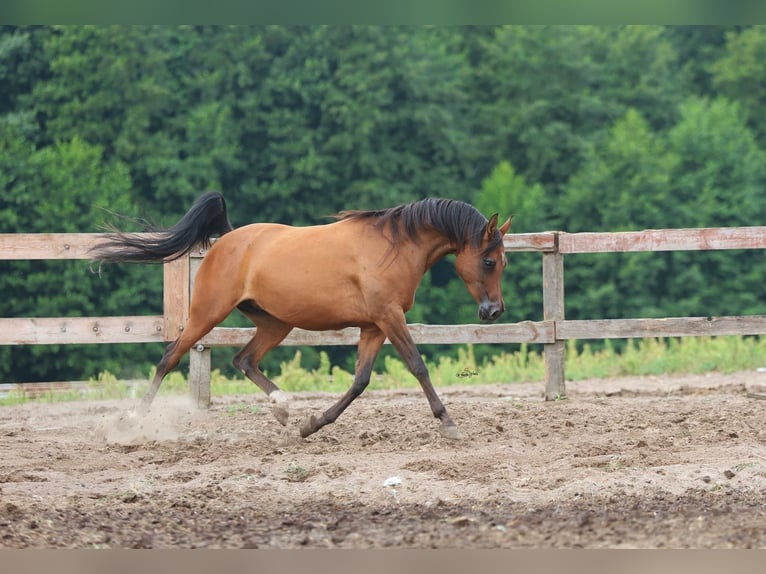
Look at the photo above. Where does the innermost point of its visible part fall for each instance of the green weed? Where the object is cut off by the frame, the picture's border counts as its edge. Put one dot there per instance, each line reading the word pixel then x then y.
pixel 651 356
pixel 239 408
pixel 297 473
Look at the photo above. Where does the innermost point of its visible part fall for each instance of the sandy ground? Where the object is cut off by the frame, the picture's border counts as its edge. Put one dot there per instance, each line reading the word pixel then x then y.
pixel 673 462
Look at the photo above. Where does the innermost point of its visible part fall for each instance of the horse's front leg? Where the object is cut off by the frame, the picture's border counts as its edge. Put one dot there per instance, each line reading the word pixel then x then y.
pixel 269 333
pixel 370 341
pixel 395 328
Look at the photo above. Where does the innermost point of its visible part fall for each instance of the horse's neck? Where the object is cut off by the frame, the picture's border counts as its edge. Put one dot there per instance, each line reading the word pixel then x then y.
pixel 433 247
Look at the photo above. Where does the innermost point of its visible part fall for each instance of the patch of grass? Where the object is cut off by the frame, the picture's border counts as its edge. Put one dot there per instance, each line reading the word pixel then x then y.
pixel 651 356
pixel 293 377
pixel 222 386
pixel 240 408
pixel 107 386
pixel 526 364
pixel 614 465
pixel 655 356
pixel 297 473
pixel 14 397
pixel 742 466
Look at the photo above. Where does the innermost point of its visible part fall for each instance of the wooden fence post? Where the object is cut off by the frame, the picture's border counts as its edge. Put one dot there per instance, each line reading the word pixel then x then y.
pixel 553 310
pixel 175 298
pixel 199 356
pixel 199 376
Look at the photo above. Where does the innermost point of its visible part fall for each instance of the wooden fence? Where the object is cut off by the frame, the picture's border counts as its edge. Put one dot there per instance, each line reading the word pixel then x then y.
pixel 551 332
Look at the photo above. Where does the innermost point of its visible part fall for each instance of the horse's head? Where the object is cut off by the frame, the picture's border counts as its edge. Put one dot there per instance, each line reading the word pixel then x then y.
pixel 481 265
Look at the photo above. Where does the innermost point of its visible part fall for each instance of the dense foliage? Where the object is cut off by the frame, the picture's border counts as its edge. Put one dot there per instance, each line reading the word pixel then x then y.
pixel 573 128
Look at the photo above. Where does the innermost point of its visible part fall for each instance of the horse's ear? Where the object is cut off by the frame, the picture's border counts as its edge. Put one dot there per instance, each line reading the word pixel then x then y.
pixel 491 226
pixel 505 227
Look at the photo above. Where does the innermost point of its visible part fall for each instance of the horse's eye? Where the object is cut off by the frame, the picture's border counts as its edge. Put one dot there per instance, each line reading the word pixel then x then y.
pixel 489 263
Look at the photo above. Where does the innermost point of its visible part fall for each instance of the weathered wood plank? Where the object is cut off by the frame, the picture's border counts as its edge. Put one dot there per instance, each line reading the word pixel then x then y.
pixel 34 390
pixel 523 332
pixel 76 245
pixel 175 296
pixel 66 331
pixel 664 240
pixel 199 376
pixel 545 241
pixel 198 252
pixel 553 286
pixel 668 327
pixel 553 311
pixel 47 245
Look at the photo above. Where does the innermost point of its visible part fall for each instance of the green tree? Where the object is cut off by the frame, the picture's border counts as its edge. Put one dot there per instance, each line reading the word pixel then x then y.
pixel 718 182
pixel 22 64
pixel 292 123
pixel 78 187
pixel 706 171
pixel 509 193
pixel 357 117
pixel 125 89
pixel 698 47
pixel 623 185
pixel 567 127
pixel 624 181
pixel 545 94
pixel 737 74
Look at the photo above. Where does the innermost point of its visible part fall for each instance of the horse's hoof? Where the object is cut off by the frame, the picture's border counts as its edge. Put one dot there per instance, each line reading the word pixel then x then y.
pixel 280 413
pixel 451 432
pixel 126 421
pixel 289 438
pixel 308 426
pixel 280 408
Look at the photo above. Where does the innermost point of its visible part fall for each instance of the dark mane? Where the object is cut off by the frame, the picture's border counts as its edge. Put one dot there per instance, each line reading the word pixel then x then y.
pixel 456 220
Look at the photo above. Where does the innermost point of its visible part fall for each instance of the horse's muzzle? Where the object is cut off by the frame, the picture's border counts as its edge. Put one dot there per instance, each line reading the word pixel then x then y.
pixel 490 311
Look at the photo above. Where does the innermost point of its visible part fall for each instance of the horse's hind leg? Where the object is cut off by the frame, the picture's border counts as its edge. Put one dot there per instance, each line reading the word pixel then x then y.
pixel 370 341
pixel 193 332
pixel 169 361
pixel 269 333
pixel 203 316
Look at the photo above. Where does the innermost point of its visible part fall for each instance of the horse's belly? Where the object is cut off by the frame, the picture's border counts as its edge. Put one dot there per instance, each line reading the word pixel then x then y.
pixel 312 321
pixel 317 310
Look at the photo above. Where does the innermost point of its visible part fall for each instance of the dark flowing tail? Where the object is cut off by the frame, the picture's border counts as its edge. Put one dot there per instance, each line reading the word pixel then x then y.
pixel 207 217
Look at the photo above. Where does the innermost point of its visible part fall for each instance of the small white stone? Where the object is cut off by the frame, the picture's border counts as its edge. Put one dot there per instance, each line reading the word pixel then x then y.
pixel 392 481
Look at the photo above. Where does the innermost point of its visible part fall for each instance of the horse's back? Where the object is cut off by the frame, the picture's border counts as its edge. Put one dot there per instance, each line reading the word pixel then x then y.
pixel 313 277
pixel 270 243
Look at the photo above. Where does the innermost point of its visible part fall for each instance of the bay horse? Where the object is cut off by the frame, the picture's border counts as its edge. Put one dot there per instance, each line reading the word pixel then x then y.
pixel 361 270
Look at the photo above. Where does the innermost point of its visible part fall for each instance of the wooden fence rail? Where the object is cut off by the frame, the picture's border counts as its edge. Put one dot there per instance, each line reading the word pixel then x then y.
pixel 551 332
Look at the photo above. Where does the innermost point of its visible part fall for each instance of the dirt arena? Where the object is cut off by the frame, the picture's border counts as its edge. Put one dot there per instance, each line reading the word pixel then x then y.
pixel 672 462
